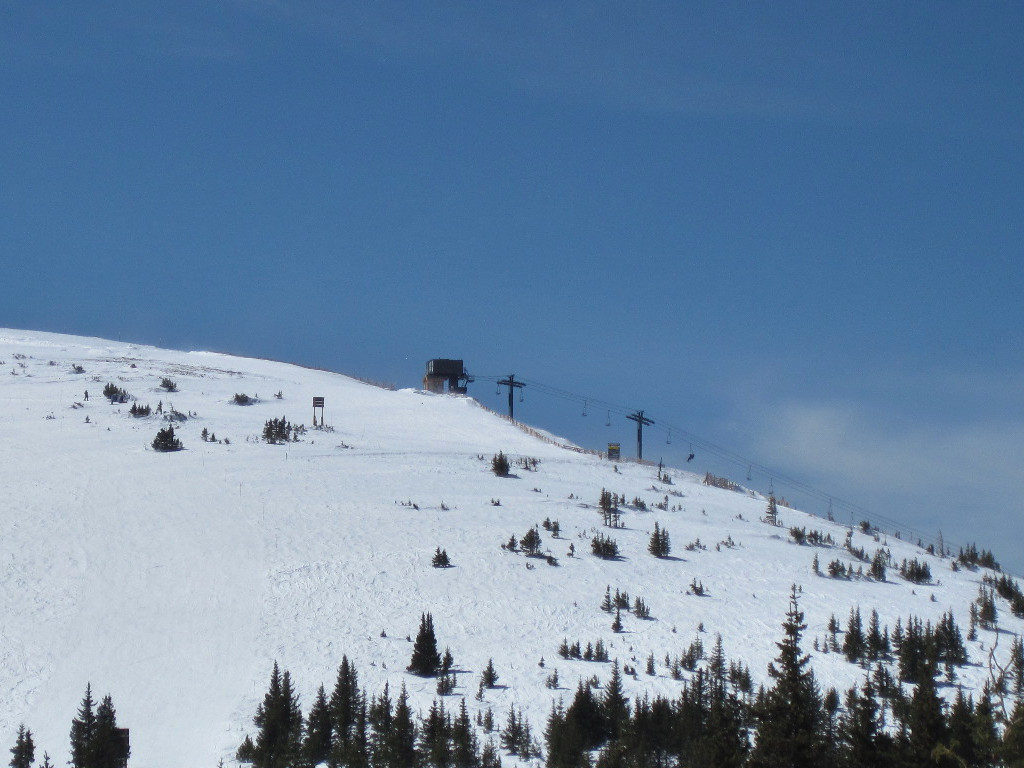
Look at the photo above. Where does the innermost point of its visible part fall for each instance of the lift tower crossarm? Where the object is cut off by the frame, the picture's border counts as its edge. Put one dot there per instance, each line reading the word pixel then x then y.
pixel 640 420
pixel 512 385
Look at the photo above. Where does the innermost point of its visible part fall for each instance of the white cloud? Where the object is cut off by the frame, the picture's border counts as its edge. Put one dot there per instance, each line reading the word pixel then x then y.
pixel 957 473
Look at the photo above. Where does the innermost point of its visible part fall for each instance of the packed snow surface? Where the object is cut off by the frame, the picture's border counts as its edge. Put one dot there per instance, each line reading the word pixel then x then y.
pixel 173 581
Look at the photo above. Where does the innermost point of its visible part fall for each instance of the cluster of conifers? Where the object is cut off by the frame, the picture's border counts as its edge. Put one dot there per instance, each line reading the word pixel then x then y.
pixel 715 722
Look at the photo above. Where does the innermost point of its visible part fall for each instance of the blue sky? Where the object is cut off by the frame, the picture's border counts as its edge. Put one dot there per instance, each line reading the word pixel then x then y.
pixel 792 230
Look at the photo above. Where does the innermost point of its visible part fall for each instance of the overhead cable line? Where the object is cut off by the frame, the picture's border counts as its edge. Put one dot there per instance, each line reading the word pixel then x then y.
pixel 706 446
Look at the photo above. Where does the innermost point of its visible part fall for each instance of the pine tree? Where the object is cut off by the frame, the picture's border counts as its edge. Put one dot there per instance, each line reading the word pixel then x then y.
pixel 440 559
pixel 926 722
pixel 854 643
pixel 659 544
pixel 489 757
pixel 617 624
pixel 499 464
pixel 489 677
pixel 654 545
pixel 615 705
pixel 316 746
pixel 985 736
pixel 402 737
pixel 772 512
pixel 1017 665
pixel 1012 748
pixel 987 614
pixel 531 542
pixel 830 708
pixel 166 441
pixel 83 731
pixel 279 719
pixel 877 642
pixel 789 733
pixel 962 729
pixel 346 706
pixel 425 660
pixel 864 742
pixel 464 741
pixel 585 719
pixel 434 744
pixel 106 746
pixel 379 719
pixel 23 753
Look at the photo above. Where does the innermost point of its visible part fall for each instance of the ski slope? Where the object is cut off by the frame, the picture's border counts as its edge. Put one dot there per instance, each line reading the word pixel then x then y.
pixel 173 581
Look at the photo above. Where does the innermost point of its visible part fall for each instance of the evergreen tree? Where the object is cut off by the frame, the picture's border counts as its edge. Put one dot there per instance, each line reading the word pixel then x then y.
pixel 83 731
pixel 166 441
pixel 316 747
pixel 877 640
pixel 279 719
pixel 962 729
pixel 772 512
pixel 659 543
pixel 106 745
pixel 464 741
pixel 585 719
pixel 531 542
pixel 489 677
pixel 615 705
pixel 1017 665
pixel 426 661
pixel 985 737
pixel 23 753
pixel 987 614
pixel 95 740
pixel 1012 748
pixel 789 720
pixel 434 737
pixel 346 707
pixel 379 720
pixel 724 742
pixel 854 643
pixel 864 742
pixel 357 753
pixel 402 737
pixel 440 559
pixel 512 734
pixel 617 624
pixel 925 721
pixel 499 464
pixel 830 709
pixel 564 751
pixel 489 757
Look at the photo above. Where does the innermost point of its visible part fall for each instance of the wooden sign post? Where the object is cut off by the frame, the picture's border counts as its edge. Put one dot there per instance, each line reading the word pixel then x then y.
pixel 318 402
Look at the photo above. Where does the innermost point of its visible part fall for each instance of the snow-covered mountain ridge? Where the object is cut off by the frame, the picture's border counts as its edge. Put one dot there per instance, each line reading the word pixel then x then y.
pixel 174 580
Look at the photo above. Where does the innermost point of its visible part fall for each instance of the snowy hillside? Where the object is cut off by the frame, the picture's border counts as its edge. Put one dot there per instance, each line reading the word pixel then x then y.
pixel 173 581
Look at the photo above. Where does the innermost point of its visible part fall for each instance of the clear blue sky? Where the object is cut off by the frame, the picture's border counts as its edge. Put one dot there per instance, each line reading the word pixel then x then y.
pixel 792 229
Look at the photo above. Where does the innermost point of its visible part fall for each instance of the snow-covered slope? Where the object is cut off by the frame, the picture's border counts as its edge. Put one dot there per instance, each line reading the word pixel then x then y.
pixel 174 580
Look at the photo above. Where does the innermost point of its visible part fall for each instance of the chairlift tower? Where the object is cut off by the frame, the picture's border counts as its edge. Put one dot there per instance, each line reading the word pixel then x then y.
pixel 641 421
pixel 512 385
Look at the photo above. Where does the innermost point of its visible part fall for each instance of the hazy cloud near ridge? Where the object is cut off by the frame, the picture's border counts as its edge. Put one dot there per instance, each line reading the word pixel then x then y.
pixel 961 474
